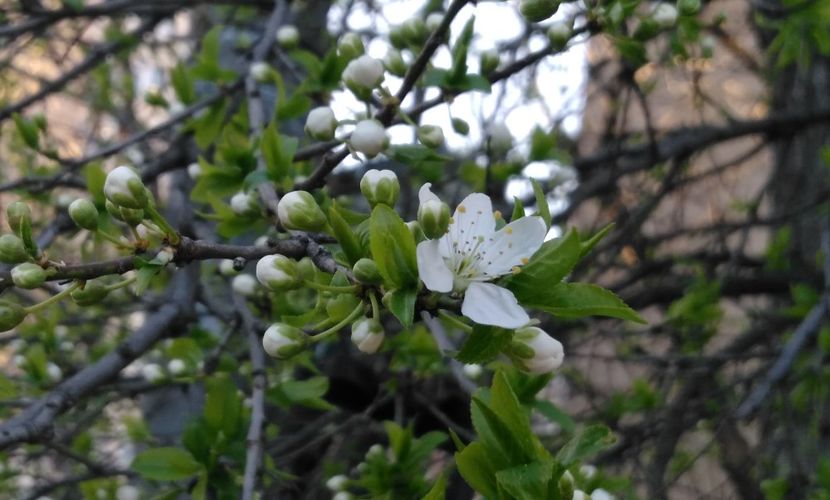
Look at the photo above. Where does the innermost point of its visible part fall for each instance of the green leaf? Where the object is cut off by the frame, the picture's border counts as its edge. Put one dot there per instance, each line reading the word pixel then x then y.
pixel 207 127
pixel 496 436
pixel 393 248
pixel 420 158
pixel 95 178
pixel 345 235
pixel 293 107
pixel 476 468
pixel 518 209
pixel 504 403
pixel 527 481
pixel 166 464
pixel 438 490
pixel 577 300
pixel 223 407
pixel 590 243
pixel 145 271
pixel 402 304
pixel 541 202
pixel 8 389
pixel 483 344
pixel 459 54
pixel 28 130
pixel 183 84
pixel 277 151
pixel 554 414
pixel 547 267
pixel 585 444
pixel 307 393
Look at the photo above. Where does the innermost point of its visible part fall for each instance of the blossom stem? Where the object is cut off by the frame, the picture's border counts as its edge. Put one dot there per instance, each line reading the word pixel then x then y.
pixel 54 298
pixel 375 309
pixel 155 216
pixel 345 321
pixel 405 117
pixel 455 321
pixel 111 238
pixel 331 288
pixel 121 284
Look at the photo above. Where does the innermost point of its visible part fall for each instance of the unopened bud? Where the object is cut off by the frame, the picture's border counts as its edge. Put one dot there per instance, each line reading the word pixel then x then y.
pixel 152 373
pixel 489 61
pixel 91 294
pixel 278 272
pixel 11 315
pixel 538 10
pixel 434 218
pixel 12 250
pixel 28 275
pixel 394 63
pixel 415 30
pixel 124 188
pixel 460 126
pixel 321 123
pixel 434 20
pixel 499 137
pixel 131 216
pixel 431 136
pixel 535 351
pixel 283 341
pixel 366 271
pixel 664 14
pixel 367 335
pixel 380 186
pixel 362 75
pixel 397 37
pixel 337 483
pixel 559 33
pixel 415 230
pixel 288 36
pixel 227 268
pixel 601 494
pixel 244 284
pixel 260 71
pixel 18 215
pixel 243 203
pixel 350 46
pixel 194 170
pixel 473 371
pixel 369 137
pixel 298 210
pixel 688 7
pixel 84 214
pixel 176 366
pixel 54 372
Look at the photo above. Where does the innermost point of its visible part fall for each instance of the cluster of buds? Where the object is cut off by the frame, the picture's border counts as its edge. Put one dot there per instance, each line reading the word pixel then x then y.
pixel 350 46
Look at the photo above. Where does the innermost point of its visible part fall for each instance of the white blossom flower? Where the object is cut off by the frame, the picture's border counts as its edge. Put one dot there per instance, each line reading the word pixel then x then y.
pixel 472 253
pixel 367 335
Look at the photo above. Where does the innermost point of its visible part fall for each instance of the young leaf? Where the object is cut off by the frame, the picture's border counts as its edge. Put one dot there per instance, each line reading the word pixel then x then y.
pixel 223 408
pixel 527 481
pixel 542 207
pixel 307 393
pixel 393 248
pixel 483 344
pixel 548 266
pixel 438 490
pixel 554 414
pixel 496 436
pixel 27 130
pixel 518 209
pixel 577 300
pixel 505 404
pixel 402 304
pixel 476 468
pixel 183 84
pixel 166 464
pixel 590 243
pixel 345 235
pixel 589 441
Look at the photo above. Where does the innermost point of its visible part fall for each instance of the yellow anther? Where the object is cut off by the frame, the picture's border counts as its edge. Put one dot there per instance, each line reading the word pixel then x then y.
pixel 508 230
pixel 497 214
pixel 525 260
pixel 516 269
pixel 462 209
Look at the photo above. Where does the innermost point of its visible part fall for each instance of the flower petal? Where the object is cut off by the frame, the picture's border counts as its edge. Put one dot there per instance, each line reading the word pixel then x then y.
pixel 431 268
pixel 472 223
pixel 511 246
pixel 425 194
pixel 488 304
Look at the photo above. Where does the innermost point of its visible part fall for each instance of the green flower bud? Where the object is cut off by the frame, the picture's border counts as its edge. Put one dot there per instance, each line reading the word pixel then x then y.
pixel 538 10
pixel 278 272
pixel 688 7
pixel 489 61
pixel 415 31
pixel 416 231
pixel 11 315
pixel 559 34
pixel 124 188
pixel 91 294
pixel 131 216
pixel 12 250
pixel 646 30
pixel 367 335
pixel 28 275
pixel 366 271
pixel 307 269
pixel 339 307
pixel 380 186
pixel 394 63
pixel 566 485
pixel 434 218
pixel 298 210
pixel 534 351
pixel 397 37
pixel 84 214
pixel 431 136
pixel 350 46
pixel 283 341
pixel 18 214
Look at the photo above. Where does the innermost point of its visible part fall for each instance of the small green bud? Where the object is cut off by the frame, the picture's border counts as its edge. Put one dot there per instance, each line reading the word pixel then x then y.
pixel 12 250
pixel 646 30
pixel 538 10
pixel 560 33
pixel 124 188
pixel 460 126
pixel 431 136
pixel 367 335
pixel 489 61
pixel 278 272
pixel 128 215
pixel 566 485
pixel 688 7
pixel 307 269
pixel 415 229
pixel 397 37
pixel 91 294
pixel 84 214
pixel 283 341
pixel 11 315
pixel 394 63
pixel 28 275
pixel 366 271
pixel 298 210
pixel 415 31
pixel 350 46
pixel 18 214
pixel 434 218
pixel 380 186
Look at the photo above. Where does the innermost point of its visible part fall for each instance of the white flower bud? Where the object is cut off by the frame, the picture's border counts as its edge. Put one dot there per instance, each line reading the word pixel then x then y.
pixel 434 20
pixel 499 137
pixel 321 123
pixel 580 495
pixel 588 471
pixel 369 137
pixel 288 36
pixel 260 71
pixel 67 346
pixel 54 372
pixel 123 187
pixel 63 200
pixel 278 272
pixel 431 136
pixel 350 46
pixel 362 75
pixel 144 232
pixel 664 14
pixel 127 492
pixel 601 494
pixel 367 335
pixel 164 256
pixel 472 371
pixel 19 360
pixel 152 372
pixel 244 284
pixel 374 450
pixel 283 341
pixel 298 210
pixel 489 61
pixel 243 203
pixel 262 242
pixel 194 170
pixel 337 483
pixel 415 30
pixel 535 351
pixel 380 186
pixel 434 218
pixel 176 366
pixel 227 268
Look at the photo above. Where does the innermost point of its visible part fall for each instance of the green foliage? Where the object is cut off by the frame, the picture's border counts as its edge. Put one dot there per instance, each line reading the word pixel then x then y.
pixel 307 393
pixel 697 314
pixel 484 344
pixel 166 464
